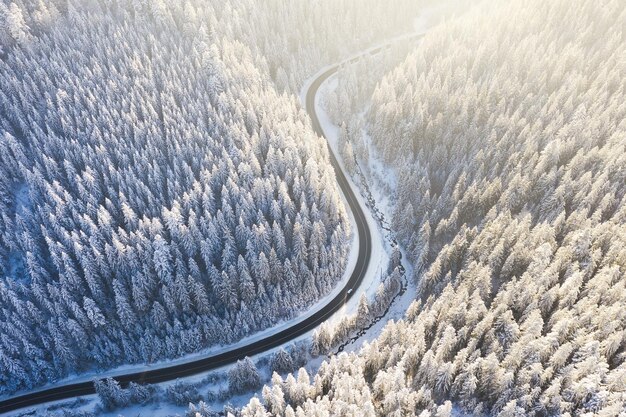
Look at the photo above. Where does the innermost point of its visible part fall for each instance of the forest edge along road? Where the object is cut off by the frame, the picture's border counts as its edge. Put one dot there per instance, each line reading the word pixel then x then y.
pixel 170 372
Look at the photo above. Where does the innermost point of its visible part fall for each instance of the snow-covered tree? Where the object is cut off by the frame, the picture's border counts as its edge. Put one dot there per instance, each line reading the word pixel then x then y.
pixel 243 377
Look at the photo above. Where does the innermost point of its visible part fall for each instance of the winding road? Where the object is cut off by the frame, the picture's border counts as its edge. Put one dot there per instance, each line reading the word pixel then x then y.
pixel 167 373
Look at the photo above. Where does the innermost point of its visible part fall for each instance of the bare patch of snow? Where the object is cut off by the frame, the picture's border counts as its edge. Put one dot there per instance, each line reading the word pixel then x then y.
pixel 381 244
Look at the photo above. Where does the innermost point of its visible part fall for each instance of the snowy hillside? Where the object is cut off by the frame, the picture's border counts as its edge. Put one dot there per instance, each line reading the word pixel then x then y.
pixel 176 238
pixel 506 129
pixel 152 203
pixel 158 194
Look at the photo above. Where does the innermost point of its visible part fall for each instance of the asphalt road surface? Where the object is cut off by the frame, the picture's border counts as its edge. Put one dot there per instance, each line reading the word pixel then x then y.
pixel 168 373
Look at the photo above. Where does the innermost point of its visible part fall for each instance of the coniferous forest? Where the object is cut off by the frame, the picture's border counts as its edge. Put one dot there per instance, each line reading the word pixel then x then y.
pixel 163 192
pixel 506 129
pixel 159 193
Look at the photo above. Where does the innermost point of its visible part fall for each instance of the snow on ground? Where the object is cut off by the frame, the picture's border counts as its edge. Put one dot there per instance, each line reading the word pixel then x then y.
pixel 381 250
pixel 164 409
pixel 380 253
pixel 375 172
pixel 428 18
pixel 213 350
pixel 89 403
pixel 381 245
pixel 379 178
pixel 369 284
pixel 378 262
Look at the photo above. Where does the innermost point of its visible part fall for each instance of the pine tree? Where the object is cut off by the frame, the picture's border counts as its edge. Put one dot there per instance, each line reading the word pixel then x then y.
pixel 281 362
pixel 243 377
pixel 363 313
pixel 110 393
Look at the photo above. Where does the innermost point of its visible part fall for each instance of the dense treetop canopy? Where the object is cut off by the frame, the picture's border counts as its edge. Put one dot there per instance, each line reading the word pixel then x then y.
pixel 505 129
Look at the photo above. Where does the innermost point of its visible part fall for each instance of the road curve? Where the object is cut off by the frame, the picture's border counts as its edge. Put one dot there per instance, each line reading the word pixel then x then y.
pixel 168 373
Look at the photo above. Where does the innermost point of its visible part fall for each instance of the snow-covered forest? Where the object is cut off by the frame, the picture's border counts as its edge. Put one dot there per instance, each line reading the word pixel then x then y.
pixel 162 192
pixel 159 193
pixel 506 131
